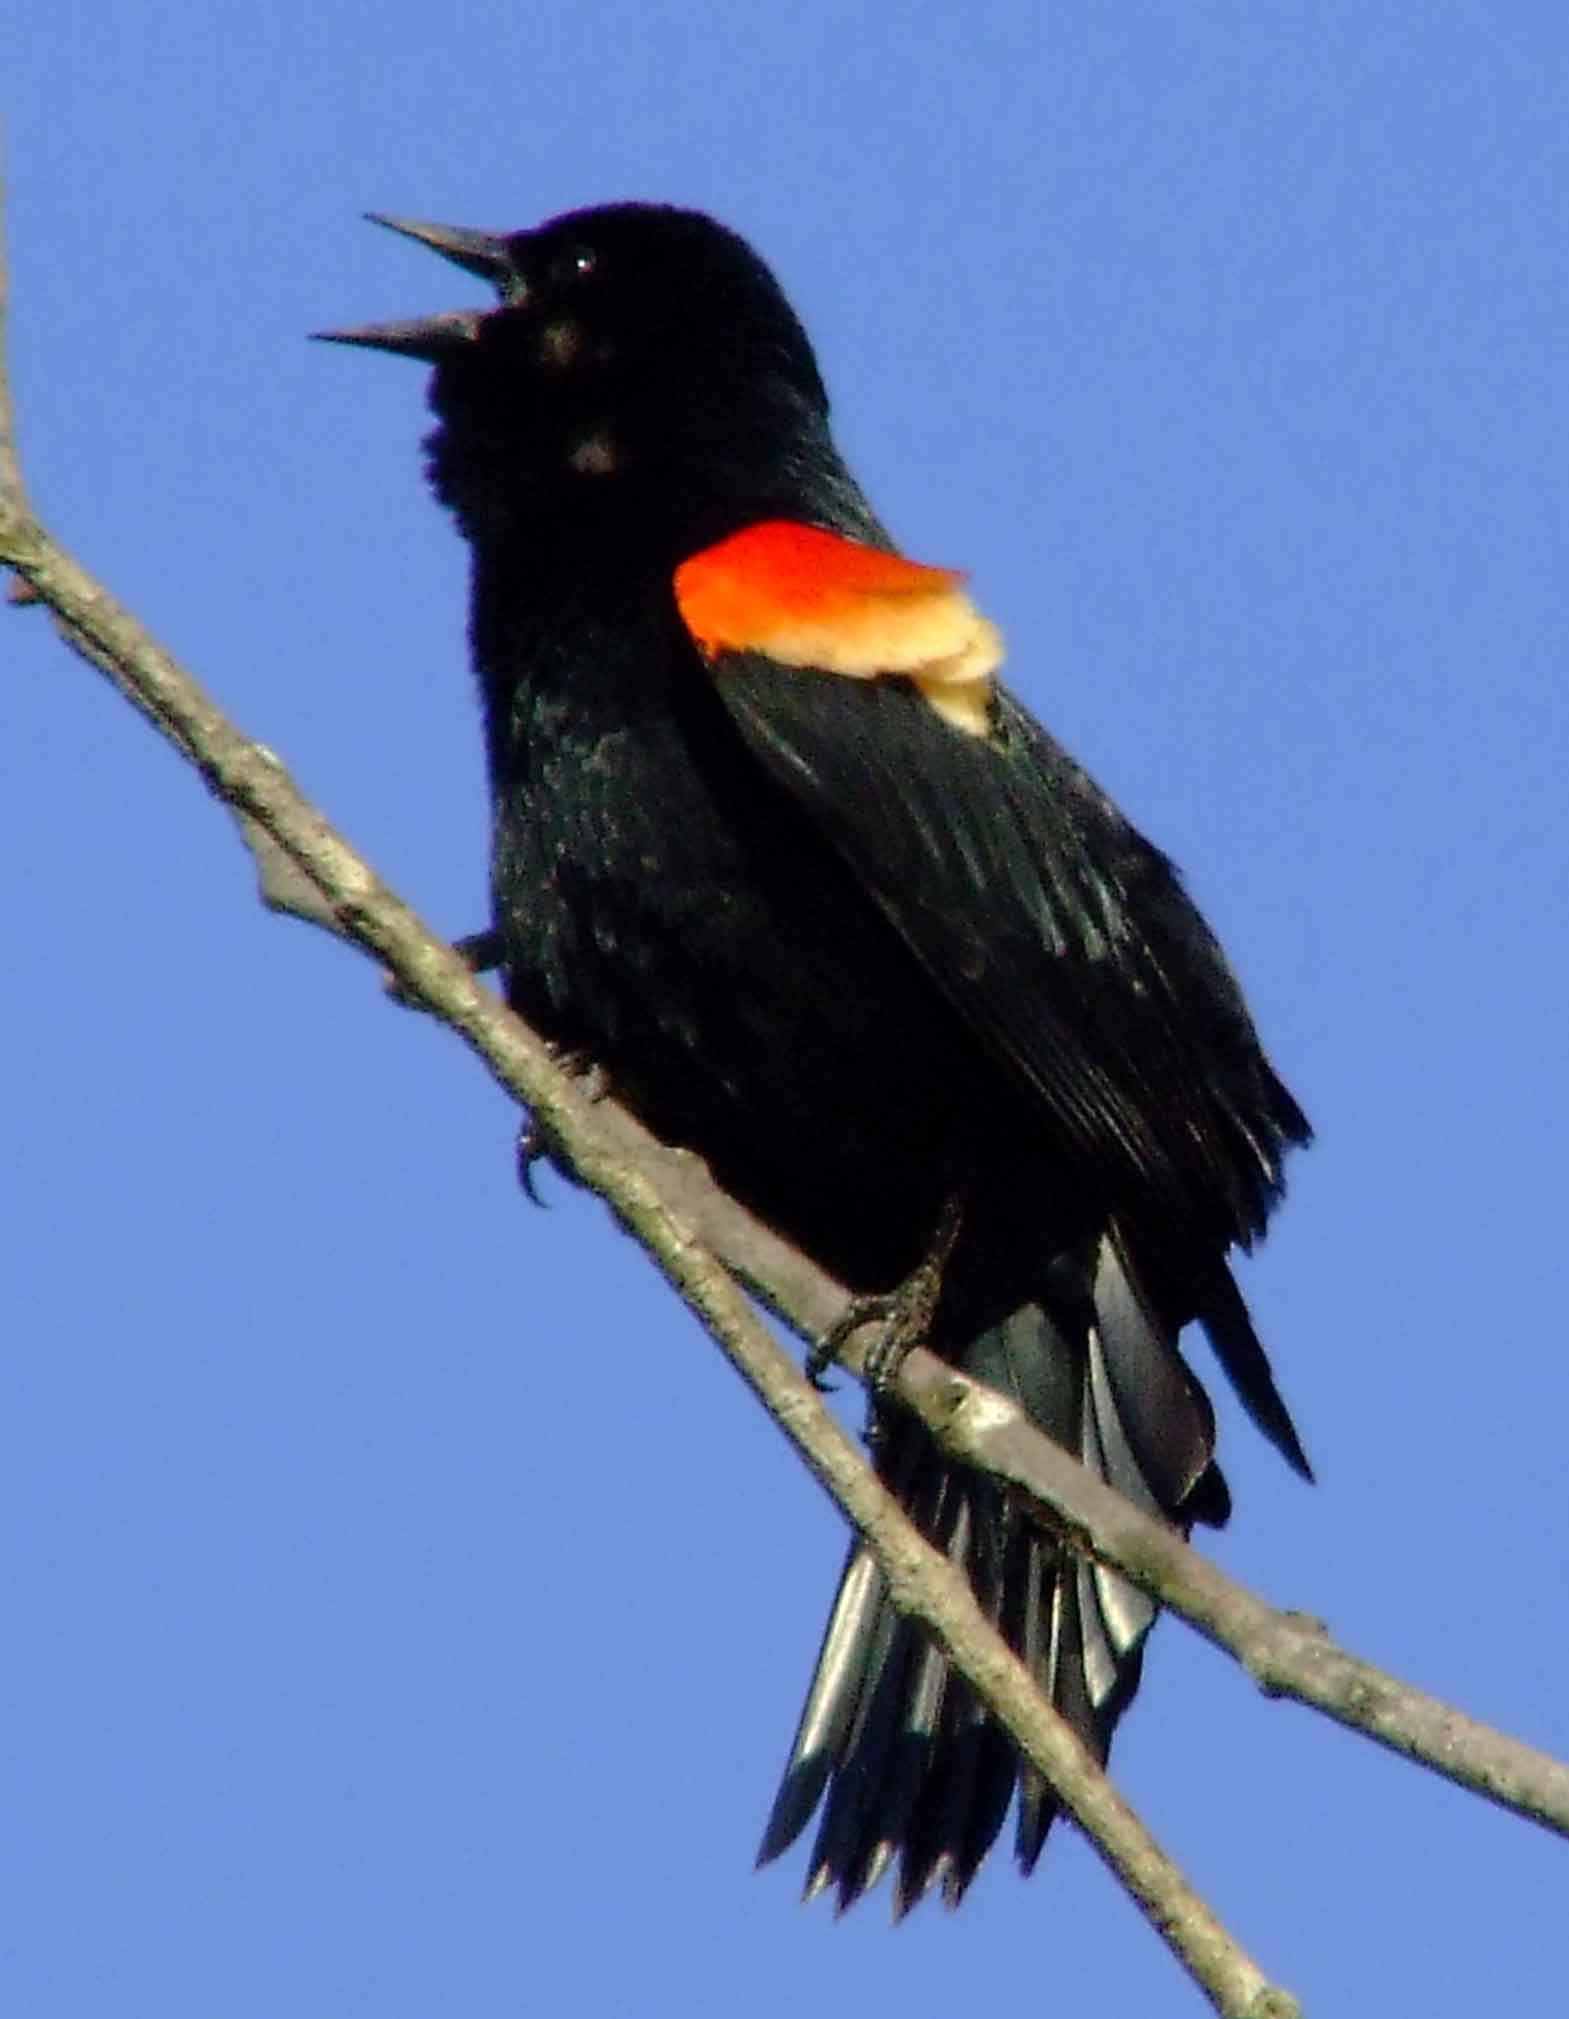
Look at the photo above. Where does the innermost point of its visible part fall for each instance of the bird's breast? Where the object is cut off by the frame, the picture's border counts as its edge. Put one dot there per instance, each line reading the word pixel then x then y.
pixel 668 912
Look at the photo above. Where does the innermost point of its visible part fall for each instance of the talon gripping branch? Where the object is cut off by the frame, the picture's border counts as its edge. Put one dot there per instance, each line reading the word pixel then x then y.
pixel 776 849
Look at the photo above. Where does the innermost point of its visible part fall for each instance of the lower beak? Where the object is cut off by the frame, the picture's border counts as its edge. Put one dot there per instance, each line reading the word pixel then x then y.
pixel 432 338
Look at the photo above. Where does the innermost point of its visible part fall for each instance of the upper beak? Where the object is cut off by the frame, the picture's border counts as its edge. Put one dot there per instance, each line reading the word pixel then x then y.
pixel 478 252
pixel 436 337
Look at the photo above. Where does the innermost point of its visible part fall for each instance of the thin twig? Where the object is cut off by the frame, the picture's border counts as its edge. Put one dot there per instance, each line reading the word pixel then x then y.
pixel 250 780
pixel 667 1198
pixel 1288 1653
pixel 12 499
pixel 921 1580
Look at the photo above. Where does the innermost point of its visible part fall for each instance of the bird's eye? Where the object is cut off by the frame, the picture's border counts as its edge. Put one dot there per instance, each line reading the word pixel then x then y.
pixel 575 264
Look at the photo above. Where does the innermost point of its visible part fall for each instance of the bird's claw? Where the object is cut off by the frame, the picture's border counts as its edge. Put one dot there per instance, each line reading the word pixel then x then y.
pixel 535 1144
pixel 904 1313
pixel 479 952
pixel 883 1309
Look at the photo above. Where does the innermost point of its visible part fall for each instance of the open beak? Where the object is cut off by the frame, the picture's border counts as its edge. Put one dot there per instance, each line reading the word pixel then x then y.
pixel 435 338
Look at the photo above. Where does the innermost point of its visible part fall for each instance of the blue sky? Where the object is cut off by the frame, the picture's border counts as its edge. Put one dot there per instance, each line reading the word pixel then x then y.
pixel 407 1611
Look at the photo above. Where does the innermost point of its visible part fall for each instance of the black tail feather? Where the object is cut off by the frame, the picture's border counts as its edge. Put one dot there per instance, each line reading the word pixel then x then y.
pixel 890 1747
pixel 913 1768
pixel 1238 1348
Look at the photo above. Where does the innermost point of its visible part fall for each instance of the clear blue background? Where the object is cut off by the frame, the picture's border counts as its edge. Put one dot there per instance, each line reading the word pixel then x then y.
pixel 406 1612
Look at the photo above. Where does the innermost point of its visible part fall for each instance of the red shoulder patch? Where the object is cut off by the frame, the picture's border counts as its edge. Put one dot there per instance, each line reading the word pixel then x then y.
pixel 775 576
pixel 814 599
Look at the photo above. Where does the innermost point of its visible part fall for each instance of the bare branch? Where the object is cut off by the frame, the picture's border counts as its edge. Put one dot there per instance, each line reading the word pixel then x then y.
pixel 13 504
pixel 360 908
pixel 707 1245
pixel 1288 1653
pixel 305 867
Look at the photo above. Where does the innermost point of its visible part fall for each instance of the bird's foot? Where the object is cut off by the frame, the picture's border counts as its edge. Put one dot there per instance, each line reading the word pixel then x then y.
pixel 535 1143
pixel 904 1313
pixel 479 952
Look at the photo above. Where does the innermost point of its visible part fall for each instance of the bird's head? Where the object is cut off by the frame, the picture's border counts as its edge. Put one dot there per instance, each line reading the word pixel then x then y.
pixel 642 369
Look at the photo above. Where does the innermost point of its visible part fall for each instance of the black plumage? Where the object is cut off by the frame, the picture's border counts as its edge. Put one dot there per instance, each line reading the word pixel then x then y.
pixel 863 959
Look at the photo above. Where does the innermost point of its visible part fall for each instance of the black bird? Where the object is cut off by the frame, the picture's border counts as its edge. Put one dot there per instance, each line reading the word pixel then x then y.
pixel 775 849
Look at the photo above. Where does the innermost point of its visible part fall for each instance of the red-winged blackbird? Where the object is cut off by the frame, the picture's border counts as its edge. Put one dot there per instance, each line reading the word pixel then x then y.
pixel 774 848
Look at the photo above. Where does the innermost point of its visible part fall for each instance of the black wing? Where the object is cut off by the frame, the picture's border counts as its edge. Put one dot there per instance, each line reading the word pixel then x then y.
pixel 1068 946
pixel 1062 937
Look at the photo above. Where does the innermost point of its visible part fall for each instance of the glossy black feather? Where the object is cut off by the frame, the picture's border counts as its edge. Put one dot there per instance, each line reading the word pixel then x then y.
pixel 863 962
pixel 1058 933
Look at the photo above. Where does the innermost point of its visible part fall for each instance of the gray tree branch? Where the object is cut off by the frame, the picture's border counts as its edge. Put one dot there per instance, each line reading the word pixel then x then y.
pixel 708 1247
pixel 305 867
